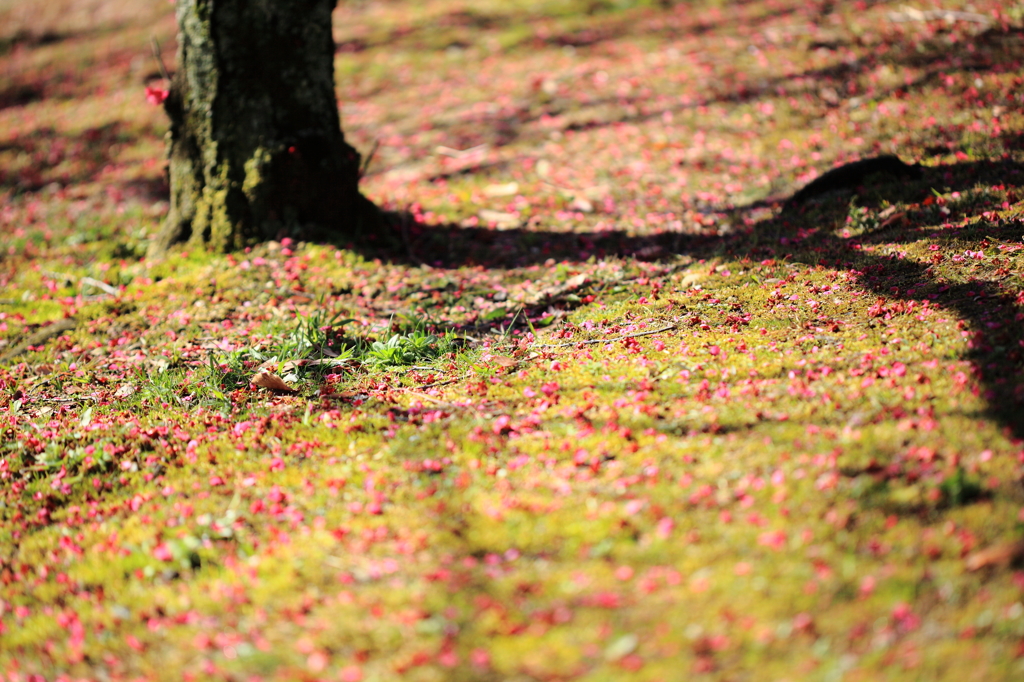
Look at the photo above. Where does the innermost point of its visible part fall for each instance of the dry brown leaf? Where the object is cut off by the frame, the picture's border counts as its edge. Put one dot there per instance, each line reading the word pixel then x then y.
pixel 272 381
pixel 1001 555
pixel 285 367
pixel 576 281
pixel 125 391
pixel 502 360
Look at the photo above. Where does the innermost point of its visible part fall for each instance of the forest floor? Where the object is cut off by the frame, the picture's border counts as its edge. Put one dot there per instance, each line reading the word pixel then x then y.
pixel 600 408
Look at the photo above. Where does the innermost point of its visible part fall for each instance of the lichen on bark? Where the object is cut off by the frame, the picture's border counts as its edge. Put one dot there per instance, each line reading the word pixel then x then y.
pixel 256 150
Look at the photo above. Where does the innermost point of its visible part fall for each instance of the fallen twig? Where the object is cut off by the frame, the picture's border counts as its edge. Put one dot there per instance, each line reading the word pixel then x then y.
pixel 617 338
pixel 442 383
pixel 40 337
pixel 369 158
pixel 77 399
pixel 67 277
pixel 103 286
pixel 154 45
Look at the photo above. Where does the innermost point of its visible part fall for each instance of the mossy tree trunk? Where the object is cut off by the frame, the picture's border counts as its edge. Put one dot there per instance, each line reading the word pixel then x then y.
pixel 256 149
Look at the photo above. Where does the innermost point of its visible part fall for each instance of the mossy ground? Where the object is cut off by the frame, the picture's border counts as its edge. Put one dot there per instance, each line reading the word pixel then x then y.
pixel 603 413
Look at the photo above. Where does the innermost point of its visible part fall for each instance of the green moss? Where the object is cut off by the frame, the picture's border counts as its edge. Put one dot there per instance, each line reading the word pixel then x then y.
pixel 211 223
pixel 255 169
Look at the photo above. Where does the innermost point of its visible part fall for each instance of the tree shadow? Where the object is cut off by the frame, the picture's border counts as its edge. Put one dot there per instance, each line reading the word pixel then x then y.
pixel 20 94
pixel 24 38
pixel 991 314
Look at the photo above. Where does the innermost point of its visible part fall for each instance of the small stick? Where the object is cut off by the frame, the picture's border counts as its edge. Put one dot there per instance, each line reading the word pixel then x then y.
pixel 40 337
pixel 439 383
pixel 65 276
pixel 154 44
pixel 617 338
pixel 369 158
pixel 99 285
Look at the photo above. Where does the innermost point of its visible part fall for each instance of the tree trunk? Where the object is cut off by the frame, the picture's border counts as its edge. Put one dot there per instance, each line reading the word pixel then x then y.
pixel 256 150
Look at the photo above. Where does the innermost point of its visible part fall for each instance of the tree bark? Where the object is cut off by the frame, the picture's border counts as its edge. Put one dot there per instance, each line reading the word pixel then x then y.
pixel 256 151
